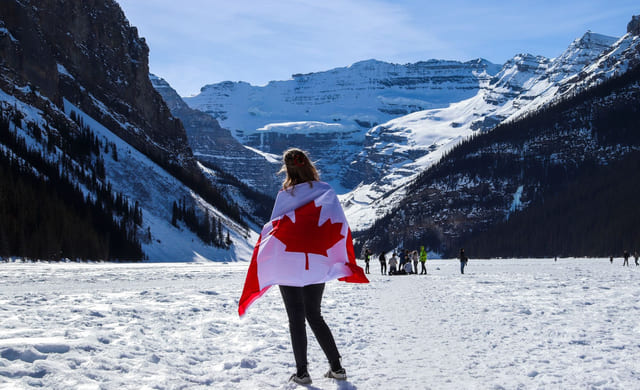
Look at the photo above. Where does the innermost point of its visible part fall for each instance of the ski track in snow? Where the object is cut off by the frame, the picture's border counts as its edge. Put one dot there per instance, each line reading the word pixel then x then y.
pixel 505 324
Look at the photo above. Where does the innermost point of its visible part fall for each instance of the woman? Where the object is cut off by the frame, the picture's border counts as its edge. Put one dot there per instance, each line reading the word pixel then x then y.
pixel 300 254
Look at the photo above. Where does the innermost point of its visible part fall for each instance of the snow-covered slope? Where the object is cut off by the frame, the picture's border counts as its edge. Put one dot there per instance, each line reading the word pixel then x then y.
pixel 328 113
pixel 156 194
pixel 621 56
pixel 373 126
pixel 140 180
pixel 396 151
pixel 74 78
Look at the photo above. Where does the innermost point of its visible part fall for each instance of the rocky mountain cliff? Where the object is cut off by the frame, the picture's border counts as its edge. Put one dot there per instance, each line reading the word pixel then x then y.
pixel 559 155
pixel 589 119
pixel 396 151
pixel 328 113
pixel 215 145
pixel 88 53
pixel 89 140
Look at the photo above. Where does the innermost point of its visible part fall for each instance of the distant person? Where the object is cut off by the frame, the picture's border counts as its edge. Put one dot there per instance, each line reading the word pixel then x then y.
pixel 383 263
pixel 611 259
pixel 367 259
pixel 414 258
pixel 407 268
pixel 635 256
pixel 393 263
pixel 403 258
pixel 463 261
pixel 626 258
pixel 423 261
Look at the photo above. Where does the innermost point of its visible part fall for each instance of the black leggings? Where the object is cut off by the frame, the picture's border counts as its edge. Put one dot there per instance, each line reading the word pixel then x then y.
pixel 301 303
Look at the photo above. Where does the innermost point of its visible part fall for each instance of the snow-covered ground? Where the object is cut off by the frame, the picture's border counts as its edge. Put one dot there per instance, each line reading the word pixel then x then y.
pixel 505 324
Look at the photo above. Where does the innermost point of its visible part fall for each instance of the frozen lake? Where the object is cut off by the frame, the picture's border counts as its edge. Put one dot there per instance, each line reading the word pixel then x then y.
pixel 508 324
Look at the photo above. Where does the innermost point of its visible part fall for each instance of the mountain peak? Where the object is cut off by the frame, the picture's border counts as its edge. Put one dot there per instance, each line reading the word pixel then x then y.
pixel 634 25
pixel 591 40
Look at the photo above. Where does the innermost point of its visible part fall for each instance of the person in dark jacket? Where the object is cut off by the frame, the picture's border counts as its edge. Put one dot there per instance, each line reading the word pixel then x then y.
pixel 463 260
pixel 403 258
pixel 383 263
pixel 367 259
pixel 626 258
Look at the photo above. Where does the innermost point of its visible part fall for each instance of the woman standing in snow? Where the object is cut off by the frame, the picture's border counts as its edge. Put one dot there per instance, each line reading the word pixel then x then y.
pixel 304 302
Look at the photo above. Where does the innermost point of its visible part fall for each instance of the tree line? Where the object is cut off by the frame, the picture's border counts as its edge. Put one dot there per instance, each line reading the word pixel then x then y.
pixel 60 207
pixel 208 228
pixel 563 154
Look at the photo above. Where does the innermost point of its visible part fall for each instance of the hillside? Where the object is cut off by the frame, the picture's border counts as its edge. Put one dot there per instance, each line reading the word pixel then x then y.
pixel 328 113
pixel 559 155
pixel 86 138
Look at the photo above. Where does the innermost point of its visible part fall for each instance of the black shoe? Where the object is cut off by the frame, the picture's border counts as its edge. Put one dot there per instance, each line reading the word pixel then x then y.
pixel 303 379
pixel 340 374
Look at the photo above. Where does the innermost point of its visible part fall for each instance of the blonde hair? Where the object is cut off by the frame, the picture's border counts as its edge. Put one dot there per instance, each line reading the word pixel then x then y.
pixel 298 169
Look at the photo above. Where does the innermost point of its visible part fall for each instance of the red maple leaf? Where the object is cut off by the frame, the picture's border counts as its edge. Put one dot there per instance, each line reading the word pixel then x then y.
pixel 304 235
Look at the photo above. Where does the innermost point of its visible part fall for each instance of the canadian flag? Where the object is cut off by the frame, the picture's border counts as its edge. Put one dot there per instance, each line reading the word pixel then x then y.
pixel 307 241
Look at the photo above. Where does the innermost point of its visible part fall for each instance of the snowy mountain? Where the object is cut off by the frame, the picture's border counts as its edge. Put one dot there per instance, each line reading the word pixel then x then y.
pixel 396 151
pixel 329 113
pixel 216 146
pixel 429 107
pixel 520 181
pixel 374 126
pixel 80 118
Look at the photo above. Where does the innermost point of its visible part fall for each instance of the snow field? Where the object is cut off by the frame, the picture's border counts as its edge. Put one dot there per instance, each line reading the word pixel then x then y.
pixel 505 324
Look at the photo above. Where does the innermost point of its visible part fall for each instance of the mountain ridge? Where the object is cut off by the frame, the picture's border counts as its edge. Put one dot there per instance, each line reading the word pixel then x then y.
pixel 84 115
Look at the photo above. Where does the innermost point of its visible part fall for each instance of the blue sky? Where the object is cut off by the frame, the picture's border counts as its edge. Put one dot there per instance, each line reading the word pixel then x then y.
pixel 199 42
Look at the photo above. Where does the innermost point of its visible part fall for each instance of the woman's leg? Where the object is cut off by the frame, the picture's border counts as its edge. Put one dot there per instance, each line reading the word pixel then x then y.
pixel 312 303
pixel 293 298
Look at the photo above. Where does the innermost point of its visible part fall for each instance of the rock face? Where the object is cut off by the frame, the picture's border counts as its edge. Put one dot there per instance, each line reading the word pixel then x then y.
pixel 396 151
pixel 87 53
pixel 634 25
pixel 518 164
pixel 328 113
pixel 215 145
pixel 75 76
